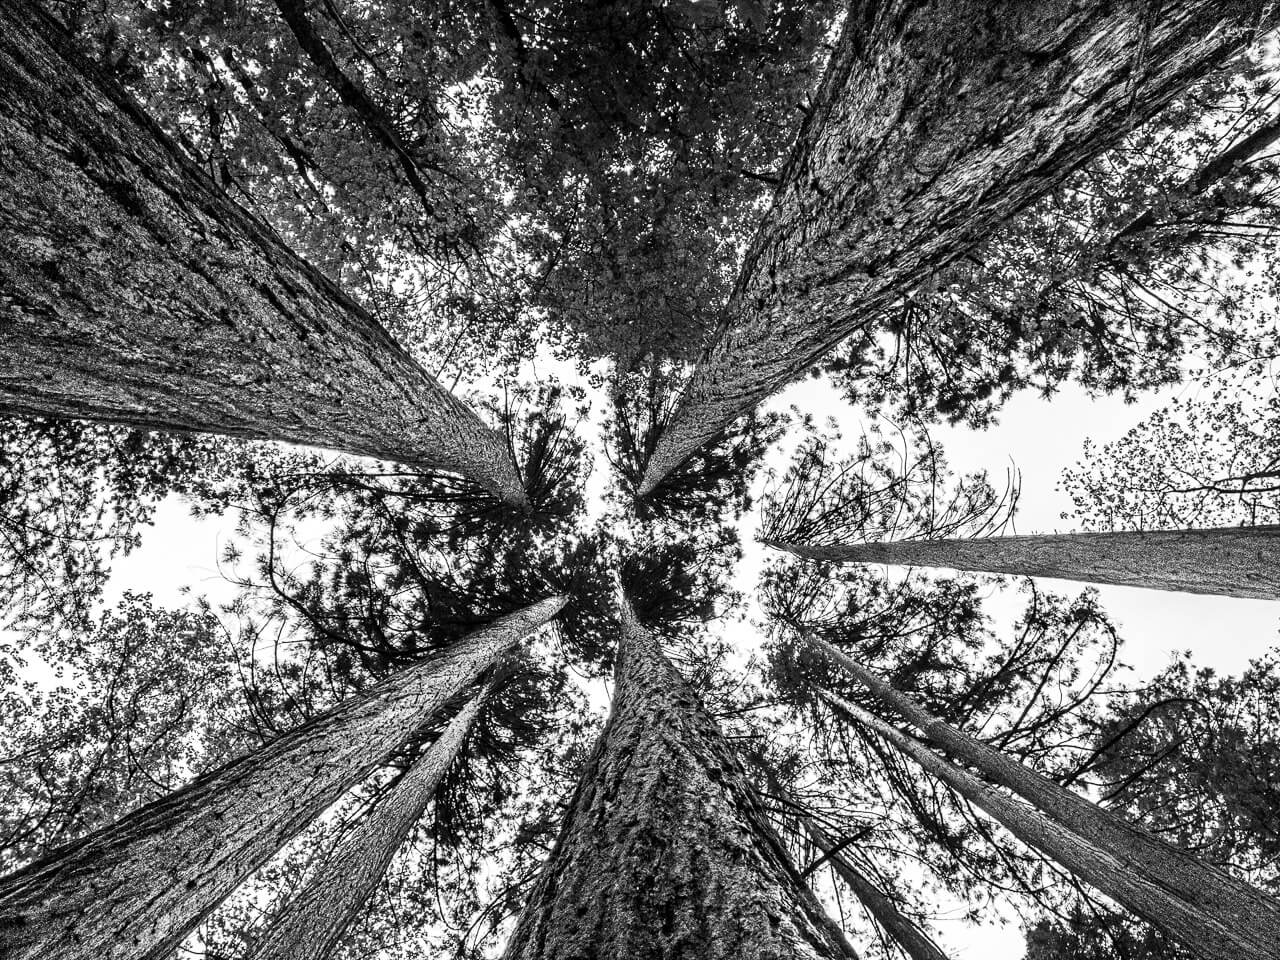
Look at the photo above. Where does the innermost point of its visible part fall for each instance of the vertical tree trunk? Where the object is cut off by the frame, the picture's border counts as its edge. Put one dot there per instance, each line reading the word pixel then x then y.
pixel 1233 561
pixel 665 851
pixel 936 122
pixel 133 291
pixel 313 922
pixel 901 929
pixel 1188 884
pixel 134 889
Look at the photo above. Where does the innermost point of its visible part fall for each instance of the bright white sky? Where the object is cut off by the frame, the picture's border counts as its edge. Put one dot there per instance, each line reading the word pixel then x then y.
pixel 1040 437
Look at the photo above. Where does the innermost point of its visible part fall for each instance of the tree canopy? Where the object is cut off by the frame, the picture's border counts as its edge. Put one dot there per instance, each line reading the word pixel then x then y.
pixel 523 306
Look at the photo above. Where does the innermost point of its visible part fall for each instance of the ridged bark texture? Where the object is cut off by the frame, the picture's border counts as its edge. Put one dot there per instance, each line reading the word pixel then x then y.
pixel 901 929
pixel 311 925
pixel 666 852
pixel 1209 901
pixel 1232 561
pixel 135 889
pixel 936 122
pixel 133 291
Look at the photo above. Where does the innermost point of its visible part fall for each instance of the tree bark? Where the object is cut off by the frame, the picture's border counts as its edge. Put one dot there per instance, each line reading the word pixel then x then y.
pixel 1232 561
pixel 935 122
pixel 1207 935
pixel 1186 885
pixel 901 929
pixel 135 889
pixel 666 851
pixel 133 291
pixel 313 922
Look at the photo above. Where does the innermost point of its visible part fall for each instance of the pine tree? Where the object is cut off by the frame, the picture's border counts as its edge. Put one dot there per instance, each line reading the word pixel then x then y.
pixel 311 925
pixel 1232 561
pixel 135 291
pixel 935 123
pixel 1168 886
pixel 666 851
pixel 136 888
pixel 904 931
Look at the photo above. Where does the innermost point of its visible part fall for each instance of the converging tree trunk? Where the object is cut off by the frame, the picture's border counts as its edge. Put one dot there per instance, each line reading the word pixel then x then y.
pixel 1219 905
pixel 665 851
pixel 901 928
pixel 904 931
pixel 1233 561
pixel 1207 935
pixel 133 291
pixel 313 922
pixel 935 123
pixel 135 889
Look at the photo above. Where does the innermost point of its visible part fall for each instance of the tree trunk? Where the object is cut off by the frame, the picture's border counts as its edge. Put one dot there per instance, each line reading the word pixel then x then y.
pixel 884 911
pixel 133 291
pixel 135 889
pixel 901 929
pixel 313 922
pixel 666 852
pixel 1187 884
pixel 1232 561
pixel 936 122
pixel 1211 936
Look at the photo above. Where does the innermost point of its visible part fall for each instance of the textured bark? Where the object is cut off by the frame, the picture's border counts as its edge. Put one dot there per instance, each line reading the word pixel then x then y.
pixel 901 929
pixel 666 852
pixel 1232 561
pixel 133 291
pixel 134 889
pixel 1218 901
pixel 936 122
pixel 312 923
pixel 1207 935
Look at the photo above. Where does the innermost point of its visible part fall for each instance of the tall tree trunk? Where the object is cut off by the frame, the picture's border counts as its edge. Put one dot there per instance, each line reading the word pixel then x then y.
pixel 312 923
pixel 904 931
pixel 936 122
pixel 1233 561
pixel 1189 885
pixel 901 929
pixel 134 889
pixel 1207 934
pixel 665 851
pixel 133 291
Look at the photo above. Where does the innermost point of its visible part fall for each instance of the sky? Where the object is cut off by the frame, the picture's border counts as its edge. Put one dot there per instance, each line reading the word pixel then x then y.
pixel 1040 437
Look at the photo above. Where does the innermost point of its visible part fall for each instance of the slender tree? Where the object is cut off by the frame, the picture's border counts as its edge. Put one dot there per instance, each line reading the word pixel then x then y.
pixel 666 851
pixel 134 889
pixel 135 291
pixel 1214 936
pixel 313 922
pixel 1183 886
pixel 902 929
pixel 935 123
pixel 1233 561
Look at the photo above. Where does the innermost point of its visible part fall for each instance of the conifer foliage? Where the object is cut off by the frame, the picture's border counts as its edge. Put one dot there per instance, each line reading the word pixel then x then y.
pixel 537 626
